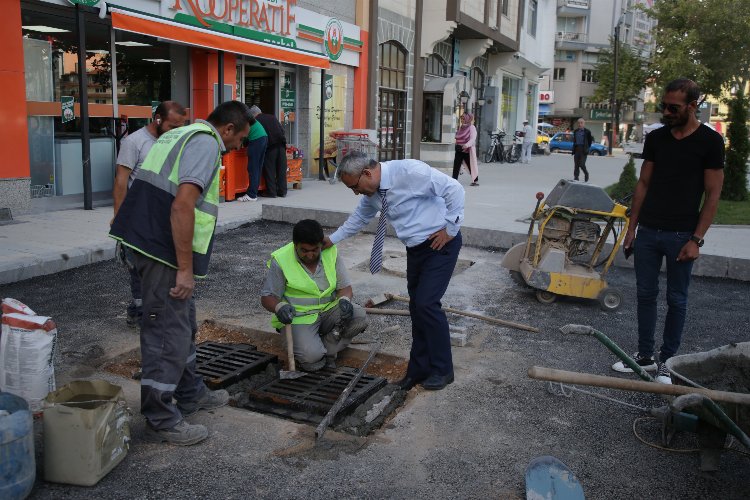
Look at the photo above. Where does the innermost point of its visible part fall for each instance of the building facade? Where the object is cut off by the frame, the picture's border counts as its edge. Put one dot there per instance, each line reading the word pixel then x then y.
pixel 286 56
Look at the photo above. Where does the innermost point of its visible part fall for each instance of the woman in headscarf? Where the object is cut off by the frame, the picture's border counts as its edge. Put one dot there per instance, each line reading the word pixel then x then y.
pixel 466 151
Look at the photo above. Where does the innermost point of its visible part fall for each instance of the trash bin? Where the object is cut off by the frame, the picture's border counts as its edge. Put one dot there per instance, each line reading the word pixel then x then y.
pixel 86 432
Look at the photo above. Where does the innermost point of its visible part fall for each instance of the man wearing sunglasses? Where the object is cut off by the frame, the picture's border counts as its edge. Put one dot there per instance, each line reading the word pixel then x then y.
pixel 683 162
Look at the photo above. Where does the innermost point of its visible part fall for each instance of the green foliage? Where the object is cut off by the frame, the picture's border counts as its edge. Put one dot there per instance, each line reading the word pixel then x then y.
pixel 704 40
pixel 735 171
pixel 632 74
pixel 627 182
pixel 733 213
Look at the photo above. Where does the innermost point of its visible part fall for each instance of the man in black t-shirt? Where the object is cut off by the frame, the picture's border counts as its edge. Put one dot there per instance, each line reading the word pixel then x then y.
pixel 683 161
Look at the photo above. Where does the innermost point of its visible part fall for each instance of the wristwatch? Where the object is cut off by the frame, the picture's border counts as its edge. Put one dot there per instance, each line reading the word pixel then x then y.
pixel 697 240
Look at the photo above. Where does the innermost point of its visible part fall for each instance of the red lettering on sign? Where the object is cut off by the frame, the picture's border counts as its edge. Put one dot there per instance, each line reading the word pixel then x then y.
pixel 263 18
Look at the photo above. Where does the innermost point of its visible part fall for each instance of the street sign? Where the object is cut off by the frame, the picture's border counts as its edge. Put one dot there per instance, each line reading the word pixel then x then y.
pixel 601 114
pixel 546 96
pixel 68 110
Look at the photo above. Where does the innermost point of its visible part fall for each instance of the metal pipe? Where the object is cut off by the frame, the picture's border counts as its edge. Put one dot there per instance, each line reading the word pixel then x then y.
pixel 220 94
pixel 321 125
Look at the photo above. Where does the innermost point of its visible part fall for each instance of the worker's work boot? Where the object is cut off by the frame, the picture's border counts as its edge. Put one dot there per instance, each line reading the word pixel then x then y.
pixel 210 401
pixel 182 434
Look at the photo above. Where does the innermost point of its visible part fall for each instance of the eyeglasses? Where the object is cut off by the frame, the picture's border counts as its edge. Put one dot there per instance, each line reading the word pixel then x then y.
pixel 355 186
pixel 672 108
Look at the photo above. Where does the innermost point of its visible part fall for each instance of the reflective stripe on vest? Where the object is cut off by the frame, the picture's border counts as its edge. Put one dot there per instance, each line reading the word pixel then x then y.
pixel 160 171
pixel 301 291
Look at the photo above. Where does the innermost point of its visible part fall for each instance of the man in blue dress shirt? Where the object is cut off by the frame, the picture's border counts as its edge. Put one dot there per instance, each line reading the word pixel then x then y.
pixel 426 209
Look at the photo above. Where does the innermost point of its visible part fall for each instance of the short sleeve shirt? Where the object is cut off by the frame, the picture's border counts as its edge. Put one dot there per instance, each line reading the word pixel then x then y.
pixel 672 202
pixel 275 283
pixel 198 160
pixel 134 149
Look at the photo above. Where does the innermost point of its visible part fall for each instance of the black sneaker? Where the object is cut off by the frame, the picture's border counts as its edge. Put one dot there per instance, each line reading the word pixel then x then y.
pixel 663 376
pixel 647 363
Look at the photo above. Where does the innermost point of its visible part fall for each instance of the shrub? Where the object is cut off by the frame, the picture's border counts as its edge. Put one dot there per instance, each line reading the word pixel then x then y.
pixel 735 170
pixel 627 182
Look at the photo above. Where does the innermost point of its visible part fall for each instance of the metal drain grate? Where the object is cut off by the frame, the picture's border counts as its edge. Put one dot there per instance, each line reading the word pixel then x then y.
pixel 309 398
pixel 224 364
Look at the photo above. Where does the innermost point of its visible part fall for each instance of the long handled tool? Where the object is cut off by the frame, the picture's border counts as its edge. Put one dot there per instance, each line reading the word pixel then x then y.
pixel 292 373
pixel 488 319
pixel 542 373
pixel 323 426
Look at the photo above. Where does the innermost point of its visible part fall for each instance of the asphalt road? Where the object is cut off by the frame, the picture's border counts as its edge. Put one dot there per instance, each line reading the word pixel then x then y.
pixel 472 440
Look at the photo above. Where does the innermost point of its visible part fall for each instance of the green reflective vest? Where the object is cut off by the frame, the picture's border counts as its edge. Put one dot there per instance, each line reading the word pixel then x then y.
pixel 143 221
pixel 301 291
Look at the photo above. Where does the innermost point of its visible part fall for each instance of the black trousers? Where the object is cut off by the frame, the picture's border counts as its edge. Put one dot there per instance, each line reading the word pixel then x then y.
pixel 428 273
pixel 274 170
pixel 579 162
pixel 461 157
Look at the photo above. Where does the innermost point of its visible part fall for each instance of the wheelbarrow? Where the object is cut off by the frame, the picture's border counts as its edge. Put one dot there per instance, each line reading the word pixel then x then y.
pixel 711 397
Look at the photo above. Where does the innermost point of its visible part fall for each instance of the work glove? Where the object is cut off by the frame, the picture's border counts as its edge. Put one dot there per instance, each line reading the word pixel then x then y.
pixel 285 312
pixel 346 308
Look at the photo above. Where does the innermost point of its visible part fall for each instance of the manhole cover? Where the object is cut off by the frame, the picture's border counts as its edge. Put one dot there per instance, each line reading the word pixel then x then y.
pixel 224 364
pixel 309 398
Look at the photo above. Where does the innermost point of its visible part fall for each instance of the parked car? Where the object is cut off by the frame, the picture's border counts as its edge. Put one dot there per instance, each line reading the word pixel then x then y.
pixel 563 141
pixel 541 146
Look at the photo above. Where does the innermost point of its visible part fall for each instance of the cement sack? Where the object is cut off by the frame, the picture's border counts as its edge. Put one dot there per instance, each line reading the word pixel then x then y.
pixel 27 348
pixel 15 306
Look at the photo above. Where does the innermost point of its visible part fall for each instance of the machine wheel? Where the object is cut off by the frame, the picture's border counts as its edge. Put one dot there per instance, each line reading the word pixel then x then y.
pixel 610 299
pixel 545 297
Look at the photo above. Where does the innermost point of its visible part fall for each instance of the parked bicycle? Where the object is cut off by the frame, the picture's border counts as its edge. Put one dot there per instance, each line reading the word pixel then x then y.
pixel 513 152
pixel 495 151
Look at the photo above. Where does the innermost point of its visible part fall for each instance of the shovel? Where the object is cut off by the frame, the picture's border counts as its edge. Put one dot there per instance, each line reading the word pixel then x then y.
pixel 292 373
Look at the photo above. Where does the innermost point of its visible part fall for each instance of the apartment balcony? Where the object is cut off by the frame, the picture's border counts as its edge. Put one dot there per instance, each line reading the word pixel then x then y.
pixel 568 40
pixel 573 8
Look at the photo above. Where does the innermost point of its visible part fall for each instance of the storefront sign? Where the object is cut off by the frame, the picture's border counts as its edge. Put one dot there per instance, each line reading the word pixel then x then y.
pixel 87 3
pixel 601 114
pixel 288 103
pixel 546 96
pixel 333 39
pixel 271 16
pixel 68 109
pixel 335 113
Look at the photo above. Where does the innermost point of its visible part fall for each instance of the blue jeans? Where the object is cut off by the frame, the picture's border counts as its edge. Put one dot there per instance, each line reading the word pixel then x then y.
pixel 651 247
pixel 256 151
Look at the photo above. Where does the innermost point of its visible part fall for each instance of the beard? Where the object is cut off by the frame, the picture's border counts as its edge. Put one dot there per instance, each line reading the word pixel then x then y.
pixel 675 120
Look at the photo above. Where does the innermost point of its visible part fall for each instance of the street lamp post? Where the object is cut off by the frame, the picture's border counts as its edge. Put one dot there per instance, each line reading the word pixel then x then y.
pixel 613 101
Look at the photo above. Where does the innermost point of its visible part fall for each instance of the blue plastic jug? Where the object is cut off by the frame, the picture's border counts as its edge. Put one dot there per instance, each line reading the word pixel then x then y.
pixel 17 466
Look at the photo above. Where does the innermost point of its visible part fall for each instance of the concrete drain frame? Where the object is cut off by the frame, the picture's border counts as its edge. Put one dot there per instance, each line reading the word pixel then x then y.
pixel 251 377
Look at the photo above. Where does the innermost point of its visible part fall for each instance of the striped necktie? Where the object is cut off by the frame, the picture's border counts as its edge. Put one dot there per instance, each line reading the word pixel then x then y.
pixel 376 257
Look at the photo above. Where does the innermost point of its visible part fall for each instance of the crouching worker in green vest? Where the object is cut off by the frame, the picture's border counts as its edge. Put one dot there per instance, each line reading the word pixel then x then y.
pixel 310 288
pixel 168 218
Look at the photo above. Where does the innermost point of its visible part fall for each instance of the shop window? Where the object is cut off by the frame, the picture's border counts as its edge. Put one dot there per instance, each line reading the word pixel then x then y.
pixel 433 117
pixel 558 74
pixel 531 28
pixel 505 7
pixel 511 88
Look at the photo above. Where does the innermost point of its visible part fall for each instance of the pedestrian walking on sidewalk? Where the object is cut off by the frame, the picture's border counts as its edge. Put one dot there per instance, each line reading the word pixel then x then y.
pixel 466 149
pixel 682 163
pixel 426 209
pixel 582 140
pixel 168 219
pixel 257 141
pixel 274 162
pixel 133 151
pixel 528 142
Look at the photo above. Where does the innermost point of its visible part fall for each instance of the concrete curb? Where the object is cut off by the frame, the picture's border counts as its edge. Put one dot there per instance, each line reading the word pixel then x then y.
pixel 712 266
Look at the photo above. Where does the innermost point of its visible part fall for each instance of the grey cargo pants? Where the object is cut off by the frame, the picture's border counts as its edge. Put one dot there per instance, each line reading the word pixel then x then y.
pixel 167 346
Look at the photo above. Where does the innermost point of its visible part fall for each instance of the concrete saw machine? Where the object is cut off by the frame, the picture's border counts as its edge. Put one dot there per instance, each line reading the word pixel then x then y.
pixel 569 254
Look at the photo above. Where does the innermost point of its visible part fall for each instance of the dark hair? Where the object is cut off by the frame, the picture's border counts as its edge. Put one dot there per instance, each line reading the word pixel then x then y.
pixel 165 107
pixel 234 112
pixel 307 231
pixel 685 85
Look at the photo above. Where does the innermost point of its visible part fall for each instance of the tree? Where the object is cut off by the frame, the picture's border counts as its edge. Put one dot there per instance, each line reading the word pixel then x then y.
pixel 735 172
pixel 626 185
pixel 708 41
pixel 632 74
